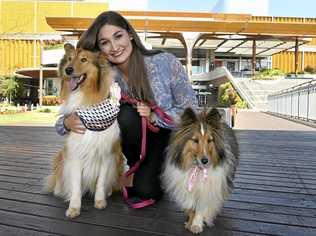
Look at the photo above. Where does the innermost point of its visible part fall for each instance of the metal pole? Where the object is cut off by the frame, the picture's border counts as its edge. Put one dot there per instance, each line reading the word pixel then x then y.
pixel 296 56
pixel 253 57
pixel 41 75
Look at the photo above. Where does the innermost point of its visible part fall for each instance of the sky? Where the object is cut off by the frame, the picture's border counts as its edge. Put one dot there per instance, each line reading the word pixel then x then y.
pixel 292 8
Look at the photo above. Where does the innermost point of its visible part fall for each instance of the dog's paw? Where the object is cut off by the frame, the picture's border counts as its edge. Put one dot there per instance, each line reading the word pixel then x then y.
pixel 209 223
pixel 196 229
pixel 72 212
pixel 115 92
pixel 187 225
pixel 109 193
pixel 100 204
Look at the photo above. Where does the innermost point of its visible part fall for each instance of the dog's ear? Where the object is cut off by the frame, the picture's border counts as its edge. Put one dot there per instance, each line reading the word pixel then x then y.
pixel 213 118
pixel 69 47
pixel 188 116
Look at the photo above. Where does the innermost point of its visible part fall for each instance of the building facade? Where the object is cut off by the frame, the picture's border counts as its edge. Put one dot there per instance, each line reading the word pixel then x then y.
pixel 24 33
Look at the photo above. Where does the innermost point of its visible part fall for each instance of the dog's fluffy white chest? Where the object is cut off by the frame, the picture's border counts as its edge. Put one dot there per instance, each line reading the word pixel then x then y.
pixel 90 150
pixel 203 190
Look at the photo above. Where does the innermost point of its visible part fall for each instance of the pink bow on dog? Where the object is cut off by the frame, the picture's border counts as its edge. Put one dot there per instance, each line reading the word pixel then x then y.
pixel 195 172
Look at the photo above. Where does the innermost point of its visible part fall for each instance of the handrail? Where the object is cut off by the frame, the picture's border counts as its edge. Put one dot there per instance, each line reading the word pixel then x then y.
pixel 297 102
pixel 239 90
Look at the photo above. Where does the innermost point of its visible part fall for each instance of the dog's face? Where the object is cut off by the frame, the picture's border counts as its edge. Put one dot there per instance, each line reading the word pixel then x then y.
pixel 84 70
pixel 197 141
pixel 64 63
pixel 89 73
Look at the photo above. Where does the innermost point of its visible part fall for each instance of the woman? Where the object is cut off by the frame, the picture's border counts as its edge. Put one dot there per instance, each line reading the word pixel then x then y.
pixel 146 77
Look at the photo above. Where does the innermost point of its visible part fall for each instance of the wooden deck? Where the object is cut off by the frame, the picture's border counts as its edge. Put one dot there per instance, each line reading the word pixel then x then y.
pixel 275 191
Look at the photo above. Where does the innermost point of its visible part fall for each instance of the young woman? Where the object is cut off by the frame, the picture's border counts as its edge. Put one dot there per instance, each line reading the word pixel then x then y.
pixel 155 88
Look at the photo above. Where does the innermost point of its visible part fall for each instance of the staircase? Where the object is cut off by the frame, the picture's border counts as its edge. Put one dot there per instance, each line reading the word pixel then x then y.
pixel 258 90
pixel 255 92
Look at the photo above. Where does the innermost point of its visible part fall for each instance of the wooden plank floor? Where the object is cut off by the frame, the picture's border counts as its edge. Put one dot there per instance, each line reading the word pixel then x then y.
pixel 275 191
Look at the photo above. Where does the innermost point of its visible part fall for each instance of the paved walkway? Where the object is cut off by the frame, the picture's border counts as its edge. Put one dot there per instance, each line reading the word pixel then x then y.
pixel 250 120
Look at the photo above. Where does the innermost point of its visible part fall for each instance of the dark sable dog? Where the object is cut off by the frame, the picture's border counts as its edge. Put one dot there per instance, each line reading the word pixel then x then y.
pixel 201 162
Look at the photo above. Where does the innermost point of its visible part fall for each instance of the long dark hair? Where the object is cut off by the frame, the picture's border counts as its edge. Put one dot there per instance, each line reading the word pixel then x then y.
pixel 137 75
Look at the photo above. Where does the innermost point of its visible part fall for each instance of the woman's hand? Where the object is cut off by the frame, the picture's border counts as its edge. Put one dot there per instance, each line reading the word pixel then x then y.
pixel 74 124
pixel 143 110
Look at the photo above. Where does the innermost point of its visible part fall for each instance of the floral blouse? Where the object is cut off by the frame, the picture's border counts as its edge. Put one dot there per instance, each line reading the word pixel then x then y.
pixel 170 85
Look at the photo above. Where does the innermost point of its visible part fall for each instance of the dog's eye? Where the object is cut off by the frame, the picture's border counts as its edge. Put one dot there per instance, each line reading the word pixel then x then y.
pixel 195 140
pixel 83 59
pixel 209 140
pixel 69 59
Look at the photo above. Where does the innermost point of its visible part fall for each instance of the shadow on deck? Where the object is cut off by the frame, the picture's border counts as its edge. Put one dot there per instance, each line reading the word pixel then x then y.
pixel 275 191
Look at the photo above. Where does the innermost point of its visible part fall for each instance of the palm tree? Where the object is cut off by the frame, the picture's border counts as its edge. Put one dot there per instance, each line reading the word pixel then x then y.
pixel 8 87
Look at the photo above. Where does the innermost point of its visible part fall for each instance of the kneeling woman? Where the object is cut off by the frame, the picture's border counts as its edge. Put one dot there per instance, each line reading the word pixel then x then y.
pixel 154 88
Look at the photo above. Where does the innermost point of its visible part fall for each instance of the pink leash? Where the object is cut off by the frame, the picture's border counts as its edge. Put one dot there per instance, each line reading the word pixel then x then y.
pixel 145 123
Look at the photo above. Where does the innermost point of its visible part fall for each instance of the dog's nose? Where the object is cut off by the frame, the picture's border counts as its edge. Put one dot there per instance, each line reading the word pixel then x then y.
pixel 69 70
pixel 204 160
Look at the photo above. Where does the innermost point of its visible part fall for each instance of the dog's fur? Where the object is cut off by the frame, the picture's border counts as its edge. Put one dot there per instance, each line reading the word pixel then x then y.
pixel 92 162
pixel 202 141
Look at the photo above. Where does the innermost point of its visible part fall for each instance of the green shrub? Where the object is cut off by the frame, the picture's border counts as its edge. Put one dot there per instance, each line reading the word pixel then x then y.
pixel 227 96
pixel 45 110
pixel 310 69
pixel 6 108
pixel 268 74
pixel 51 100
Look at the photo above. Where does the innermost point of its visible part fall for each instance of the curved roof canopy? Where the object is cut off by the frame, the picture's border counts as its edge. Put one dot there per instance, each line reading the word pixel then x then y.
pixel 225 33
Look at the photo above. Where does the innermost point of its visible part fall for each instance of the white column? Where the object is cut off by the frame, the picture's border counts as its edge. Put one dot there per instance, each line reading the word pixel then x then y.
pixel 207 61
pixel 303 60
pixel 40 92
pixel 239 64
pixel 190 39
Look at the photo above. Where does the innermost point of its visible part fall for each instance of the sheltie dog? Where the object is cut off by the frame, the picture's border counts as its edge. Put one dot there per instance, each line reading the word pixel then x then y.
pixel 201 161
pixel 93 161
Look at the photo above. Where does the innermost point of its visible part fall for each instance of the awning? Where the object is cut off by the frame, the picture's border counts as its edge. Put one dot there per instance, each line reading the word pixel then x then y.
pixel 225 33
pixel 35 73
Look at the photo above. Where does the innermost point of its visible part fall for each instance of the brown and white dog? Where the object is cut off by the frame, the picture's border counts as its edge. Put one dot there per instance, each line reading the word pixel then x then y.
pixel 200 166
pixel 93 161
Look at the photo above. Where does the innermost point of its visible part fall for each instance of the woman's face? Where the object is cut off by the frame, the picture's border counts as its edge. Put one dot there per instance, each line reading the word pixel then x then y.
pixel 115 43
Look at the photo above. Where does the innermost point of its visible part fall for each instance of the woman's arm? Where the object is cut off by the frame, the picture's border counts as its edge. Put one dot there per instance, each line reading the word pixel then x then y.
pixel 70 123
pixel 182 93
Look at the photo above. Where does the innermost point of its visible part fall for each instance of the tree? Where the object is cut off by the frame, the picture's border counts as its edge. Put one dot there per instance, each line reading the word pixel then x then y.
pixel 8 87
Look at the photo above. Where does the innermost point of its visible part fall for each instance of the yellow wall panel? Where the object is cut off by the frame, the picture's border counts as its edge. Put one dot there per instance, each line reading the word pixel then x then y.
pixel 286 61
pixel 29 16
pixel 17 54
pixel 313 42
pixel 17 16
pixel 89 9
pixel 45 9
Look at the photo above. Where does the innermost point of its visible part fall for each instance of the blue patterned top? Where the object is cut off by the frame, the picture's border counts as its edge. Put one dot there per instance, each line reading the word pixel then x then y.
pixel 170 85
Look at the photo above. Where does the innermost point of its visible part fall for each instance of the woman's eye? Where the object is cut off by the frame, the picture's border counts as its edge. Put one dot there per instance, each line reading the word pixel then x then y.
pixel 118 36
pixel 83 59
pixel 103 43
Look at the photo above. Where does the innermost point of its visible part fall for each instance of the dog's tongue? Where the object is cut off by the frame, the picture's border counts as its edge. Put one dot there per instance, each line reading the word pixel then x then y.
pixel 73 84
